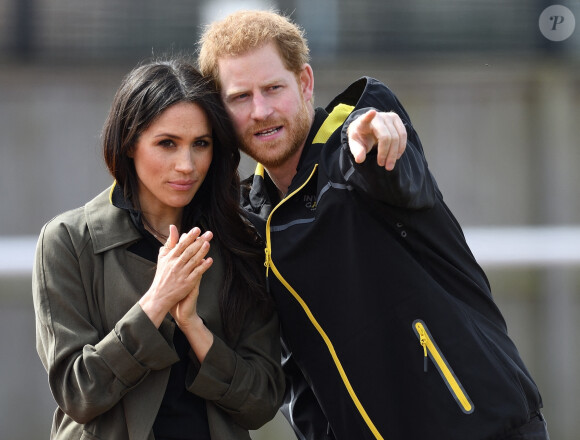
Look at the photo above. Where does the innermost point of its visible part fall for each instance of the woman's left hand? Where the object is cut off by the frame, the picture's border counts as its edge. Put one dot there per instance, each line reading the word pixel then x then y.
pixel 186 317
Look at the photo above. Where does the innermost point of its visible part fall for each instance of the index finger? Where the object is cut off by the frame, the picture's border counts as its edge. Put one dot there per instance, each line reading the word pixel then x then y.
pixel 364 121
pixel 360 135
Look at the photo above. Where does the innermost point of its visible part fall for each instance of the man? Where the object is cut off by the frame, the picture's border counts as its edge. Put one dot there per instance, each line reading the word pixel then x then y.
pixel 389 324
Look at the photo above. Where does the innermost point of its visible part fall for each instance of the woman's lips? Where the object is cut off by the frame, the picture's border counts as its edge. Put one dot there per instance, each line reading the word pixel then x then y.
pixel 182 185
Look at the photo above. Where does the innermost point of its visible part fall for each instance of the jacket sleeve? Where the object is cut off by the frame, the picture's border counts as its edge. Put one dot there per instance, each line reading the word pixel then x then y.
pixel 245 381
pixel 88 371
pixel 409 185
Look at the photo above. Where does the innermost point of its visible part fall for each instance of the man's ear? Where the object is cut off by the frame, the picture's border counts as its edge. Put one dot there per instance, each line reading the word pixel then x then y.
pixel 306 82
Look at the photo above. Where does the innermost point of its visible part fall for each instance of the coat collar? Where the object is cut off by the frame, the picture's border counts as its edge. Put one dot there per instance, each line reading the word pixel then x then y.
pixel 108 225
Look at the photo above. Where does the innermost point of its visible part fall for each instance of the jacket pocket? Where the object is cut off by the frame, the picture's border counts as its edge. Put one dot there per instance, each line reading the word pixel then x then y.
pixel 432 351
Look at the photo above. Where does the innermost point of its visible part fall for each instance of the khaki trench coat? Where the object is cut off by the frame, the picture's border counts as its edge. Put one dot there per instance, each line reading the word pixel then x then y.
pixel 108 365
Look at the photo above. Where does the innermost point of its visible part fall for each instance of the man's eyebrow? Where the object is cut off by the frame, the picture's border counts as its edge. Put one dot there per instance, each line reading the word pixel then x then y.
pixel 241 90
pixel 235 92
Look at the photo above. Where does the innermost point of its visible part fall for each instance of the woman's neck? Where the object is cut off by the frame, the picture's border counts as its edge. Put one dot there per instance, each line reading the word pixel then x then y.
pixel 158 224
pixel 161 233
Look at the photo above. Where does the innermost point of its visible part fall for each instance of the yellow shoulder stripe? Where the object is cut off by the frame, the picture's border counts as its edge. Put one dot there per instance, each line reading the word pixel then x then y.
pixel 332 122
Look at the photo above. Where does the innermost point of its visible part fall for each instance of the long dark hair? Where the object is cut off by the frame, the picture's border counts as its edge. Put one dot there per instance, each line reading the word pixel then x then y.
pixel 144 94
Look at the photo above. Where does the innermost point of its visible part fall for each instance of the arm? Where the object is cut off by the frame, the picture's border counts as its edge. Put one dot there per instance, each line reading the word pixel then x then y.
pixel 382 156
pixel 89 371
pixel 245 381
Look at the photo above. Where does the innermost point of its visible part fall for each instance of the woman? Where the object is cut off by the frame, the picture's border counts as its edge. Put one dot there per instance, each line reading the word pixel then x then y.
pixel 145 329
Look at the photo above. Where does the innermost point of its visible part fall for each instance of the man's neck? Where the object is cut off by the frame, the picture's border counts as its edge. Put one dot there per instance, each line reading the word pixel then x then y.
pixel 282 175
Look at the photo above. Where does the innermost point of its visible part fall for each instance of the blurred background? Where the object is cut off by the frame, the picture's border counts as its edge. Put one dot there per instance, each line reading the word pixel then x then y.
pixel 492 87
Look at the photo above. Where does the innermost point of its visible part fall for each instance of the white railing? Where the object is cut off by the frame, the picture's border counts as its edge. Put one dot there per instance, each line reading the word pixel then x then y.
pixel 493 247
pixel 525 246
pixel 17 254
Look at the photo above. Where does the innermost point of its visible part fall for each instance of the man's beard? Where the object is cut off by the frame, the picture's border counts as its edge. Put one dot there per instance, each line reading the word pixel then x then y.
pixel 298 129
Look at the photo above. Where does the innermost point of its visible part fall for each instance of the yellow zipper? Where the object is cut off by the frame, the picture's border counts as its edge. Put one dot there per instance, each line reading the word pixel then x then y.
pixel 269 263
pixel 334 120
pixel 431 350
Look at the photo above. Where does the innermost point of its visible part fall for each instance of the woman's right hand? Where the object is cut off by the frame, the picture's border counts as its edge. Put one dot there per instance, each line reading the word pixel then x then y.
pixel 180 265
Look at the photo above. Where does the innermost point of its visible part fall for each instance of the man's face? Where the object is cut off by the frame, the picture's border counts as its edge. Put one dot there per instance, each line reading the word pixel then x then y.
pixel 269 104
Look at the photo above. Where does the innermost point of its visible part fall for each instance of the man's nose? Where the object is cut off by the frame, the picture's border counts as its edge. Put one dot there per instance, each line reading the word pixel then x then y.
pixel 261 108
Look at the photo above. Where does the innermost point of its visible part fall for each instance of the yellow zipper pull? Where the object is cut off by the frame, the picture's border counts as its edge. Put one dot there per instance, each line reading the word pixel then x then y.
pixel 267 261
pixel 267 265
pixel 423 342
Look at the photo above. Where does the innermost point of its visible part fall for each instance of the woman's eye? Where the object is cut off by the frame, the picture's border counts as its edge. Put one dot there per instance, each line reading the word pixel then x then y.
pixel 202 143
pixel 167 143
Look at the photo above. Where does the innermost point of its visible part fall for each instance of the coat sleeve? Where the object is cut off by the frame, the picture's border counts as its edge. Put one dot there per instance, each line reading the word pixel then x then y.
pixel 246 381
pixel 88 371
pixel 409 185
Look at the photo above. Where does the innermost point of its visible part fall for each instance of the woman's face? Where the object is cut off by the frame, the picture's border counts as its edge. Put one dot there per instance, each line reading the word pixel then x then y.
pixel 172 157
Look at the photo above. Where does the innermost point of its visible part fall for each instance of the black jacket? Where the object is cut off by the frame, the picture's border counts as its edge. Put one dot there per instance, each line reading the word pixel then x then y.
pixel 388 320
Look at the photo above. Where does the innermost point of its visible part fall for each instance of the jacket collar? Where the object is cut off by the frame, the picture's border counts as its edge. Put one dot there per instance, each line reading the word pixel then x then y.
pixel 109 226
pixel 309 153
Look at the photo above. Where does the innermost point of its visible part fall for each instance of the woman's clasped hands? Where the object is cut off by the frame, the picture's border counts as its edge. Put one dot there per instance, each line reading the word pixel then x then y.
pixel 181 263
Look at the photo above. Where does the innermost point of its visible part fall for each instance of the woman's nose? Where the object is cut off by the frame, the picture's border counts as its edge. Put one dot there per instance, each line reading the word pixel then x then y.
pixel 184 162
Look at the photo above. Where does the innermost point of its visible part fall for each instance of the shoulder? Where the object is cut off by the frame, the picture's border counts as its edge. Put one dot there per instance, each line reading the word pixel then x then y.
pixel 97 222
pixel 67 230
